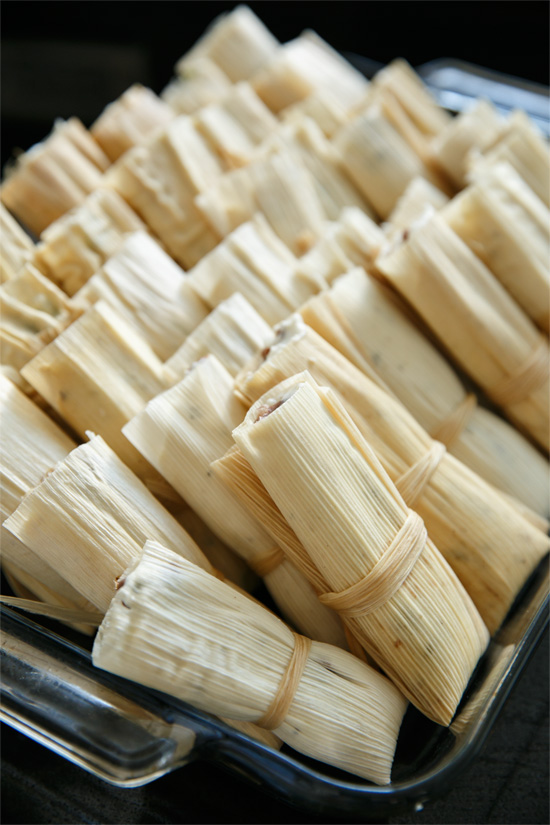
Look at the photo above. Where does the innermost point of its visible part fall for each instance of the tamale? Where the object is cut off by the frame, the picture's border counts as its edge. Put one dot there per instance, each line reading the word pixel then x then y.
pixel 415 618
pixel 412 204
pixel 477 321
pixel 234 657
pixel 17 247
pixel 201 82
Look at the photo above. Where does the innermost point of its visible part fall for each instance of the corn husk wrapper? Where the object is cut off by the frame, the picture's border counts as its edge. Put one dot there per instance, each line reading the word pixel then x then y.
pixel 489 545
pixel 411 206
pixel 54 176
pixel 147 288
pixel 17 246
pixel 303 66
pixel 201 82
pixel 129 120
pixel 523 147
pixel 476 128
pixel 508 227
pixel 181 432
pixel 230 657
pixel 428 636
pixel 475 318
pixel 238 42
pixel 233 332
pixel 78 244
pixel 322 107
pixel 363 320
pixel 252 260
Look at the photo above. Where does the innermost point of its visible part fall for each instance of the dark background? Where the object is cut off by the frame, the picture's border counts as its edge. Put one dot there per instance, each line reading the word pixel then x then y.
pixel 72 58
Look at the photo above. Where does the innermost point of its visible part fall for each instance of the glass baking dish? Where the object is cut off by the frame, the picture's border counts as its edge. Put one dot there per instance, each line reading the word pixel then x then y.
pixel 129 735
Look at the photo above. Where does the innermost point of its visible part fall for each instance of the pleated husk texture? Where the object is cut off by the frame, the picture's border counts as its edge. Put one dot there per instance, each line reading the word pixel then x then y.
pixel 147 288
pixel 322 107
pixel 508 227
pixel 489 545
pixel 201 82
pixel 477 321
pixel 129 120
pixel 54 176
pixel 17 246
pixel 332 490
pixel 412 204
pixel 226 654
pixel 181 432
pixel 76 245
pixel 364 321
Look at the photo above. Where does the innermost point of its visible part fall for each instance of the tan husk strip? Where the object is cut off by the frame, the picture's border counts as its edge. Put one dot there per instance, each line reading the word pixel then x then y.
pixel 226 656
pixel 473 315
pixel 201 83
pixel 413 203
pixel 17 246
pixel 490 546
pixel 362 319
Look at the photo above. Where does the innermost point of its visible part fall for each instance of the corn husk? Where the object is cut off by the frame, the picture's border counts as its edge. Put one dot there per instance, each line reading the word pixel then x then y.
pixel 322 107
pixel 475 128
pixel 17 246
pixel 181 432
pixel 200 83
pixel 147 288
pixel 412 204
pixel 252 260
pixel 508 227
pixel 475 318
pixel 233 332
pixel 303 66
pixel 54 175
pixel 428 635
pixel 129 120
pixel 233 653
pixel 237 42
pixel 78 244
pixel 364 321
pixel 489 545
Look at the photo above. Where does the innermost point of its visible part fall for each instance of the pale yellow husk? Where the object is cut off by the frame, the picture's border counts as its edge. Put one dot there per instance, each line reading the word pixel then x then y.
pixel 201 82
pixel 17 248
pixel 322 107
pixel 413 203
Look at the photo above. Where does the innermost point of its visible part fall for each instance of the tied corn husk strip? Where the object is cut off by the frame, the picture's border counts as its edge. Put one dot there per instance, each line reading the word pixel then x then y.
pixel 147 288
pixel 476 128
pixel 524 148
pixel 237 42
pixel 17 246
pixel 64 614
pixel 477 321
pixel 231 657
pixel 508 227
pixel 363 320
pixel 479 534
pixel 303 66
pixel 54 176
pixel 233 332
pixel 322 107
pixel 131 119
pixel 252 260
pixel 181 432
pixel 332 490
pixel 278 186
pixel 77 244
pixel 201 82
pixel 236 124
pixel 160 180
pixel 412 204
pixel 90 517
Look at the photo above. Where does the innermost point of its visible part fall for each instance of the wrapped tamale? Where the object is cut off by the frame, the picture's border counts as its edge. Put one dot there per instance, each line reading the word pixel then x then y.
pixel 147 288
pixel 388 581
pixel 201 82
pixel 54 175
pixel 17 246
pixel 508 227
pixel 491 547
pixel 412 204
pixel 181 432
pixel 129 120
pixel 234 657
pixel 364 320
pixel 478 322
pixel 75 246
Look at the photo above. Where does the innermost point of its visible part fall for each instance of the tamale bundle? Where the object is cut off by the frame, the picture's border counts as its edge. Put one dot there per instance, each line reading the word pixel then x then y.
pixel 412 615
pixel 132 118
pixel 508 227
pixel 364 321
pixel 17 246
pixel 53 176
pixel 182 431
pixel 201 82
pixel 491 547
pixel 233 332
pixel 147 288
pixel 412 204
pixel 477 321
pixel 75 246
pixel 234 657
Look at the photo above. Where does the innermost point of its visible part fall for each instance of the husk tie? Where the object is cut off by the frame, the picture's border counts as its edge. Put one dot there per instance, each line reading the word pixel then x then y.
pixel 278 709
pixel 526 379
pixel 452 427
pixel 413 482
